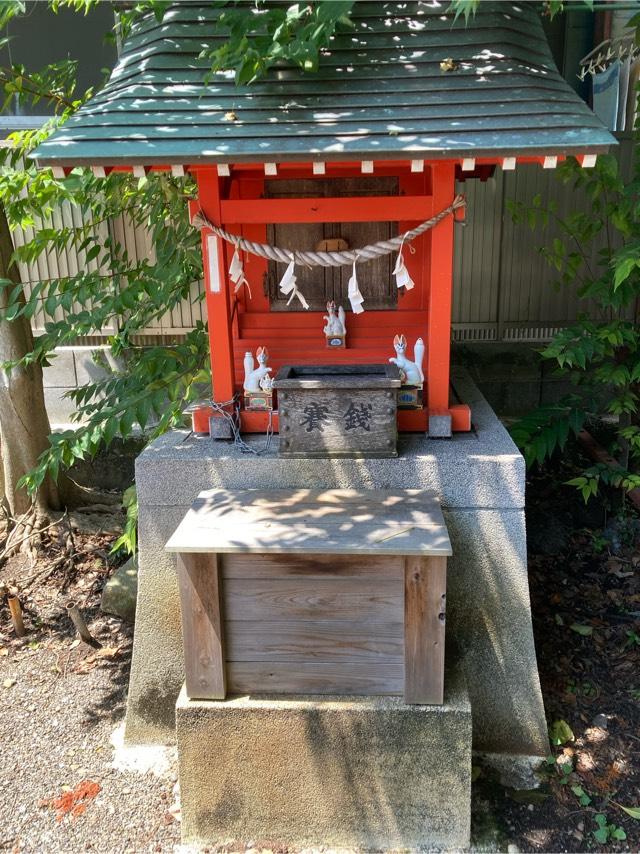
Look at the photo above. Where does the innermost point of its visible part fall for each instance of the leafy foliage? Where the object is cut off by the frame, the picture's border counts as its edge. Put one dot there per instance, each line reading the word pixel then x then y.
pixel 606 831
pixel 273 33
pixel 128 541
pixel 144 389
pixel 148 387
pixel 598 254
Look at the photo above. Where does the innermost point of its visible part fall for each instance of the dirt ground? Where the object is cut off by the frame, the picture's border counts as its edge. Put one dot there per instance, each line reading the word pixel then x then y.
pixel 584 578
pixel 69 785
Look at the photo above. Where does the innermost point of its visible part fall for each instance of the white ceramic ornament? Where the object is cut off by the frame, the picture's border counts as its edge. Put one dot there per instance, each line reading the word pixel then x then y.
pixel 336 323
pixel 412 371
pixel 266 383
pixel 253 378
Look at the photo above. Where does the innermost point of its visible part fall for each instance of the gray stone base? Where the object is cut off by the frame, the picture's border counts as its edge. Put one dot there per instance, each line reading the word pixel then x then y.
pixel 479 477
pixel 369 773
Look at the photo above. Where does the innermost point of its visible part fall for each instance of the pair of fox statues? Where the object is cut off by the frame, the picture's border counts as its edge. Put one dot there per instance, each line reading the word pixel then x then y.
pixel 258 379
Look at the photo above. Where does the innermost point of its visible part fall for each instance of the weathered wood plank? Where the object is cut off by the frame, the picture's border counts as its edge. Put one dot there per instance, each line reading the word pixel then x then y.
pixel 311 566
pixel 315 678
pixel 299 599
pixel 326 640
pixel 424 621
pixel 303 521
pixel 202 631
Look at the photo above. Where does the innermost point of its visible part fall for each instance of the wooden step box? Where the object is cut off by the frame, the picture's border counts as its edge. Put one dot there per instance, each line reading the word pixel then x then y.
pixel 336 592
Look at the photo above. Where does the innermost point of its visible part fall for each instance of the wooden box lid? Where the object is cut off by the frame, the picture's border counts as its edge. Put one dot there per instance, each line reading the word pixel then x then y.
pixel 313 521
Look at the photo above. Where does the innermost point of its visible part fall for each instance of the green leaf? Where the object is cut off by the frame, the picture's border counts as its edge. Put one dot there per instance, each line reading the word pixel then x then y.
pixel 634 812
pixel 585 631
pixel 93 252
pixel 560 733
pixel 601 835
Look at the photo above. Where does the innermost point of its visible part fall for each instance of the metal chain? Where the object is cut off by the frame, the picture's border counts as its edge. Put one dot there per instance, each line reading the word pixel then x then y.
pixel 233 418
pixel 328 259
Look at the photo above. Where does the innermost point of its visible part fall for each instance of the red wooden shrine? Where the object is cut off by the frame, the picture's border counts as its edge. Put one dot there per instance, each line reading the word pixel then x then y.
pixel 408 81
pixel 238 323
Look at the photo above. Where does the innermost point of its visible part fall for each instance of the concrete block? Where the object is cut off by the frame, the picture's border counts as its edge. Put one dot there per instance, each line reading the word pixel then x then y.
pixel 513 397
pixel 369 773
pixel 489 616
pixel 479 469
pixel 157 669
pixel 87 369
pixel 61 373
pixel 439 427
pixel 59 407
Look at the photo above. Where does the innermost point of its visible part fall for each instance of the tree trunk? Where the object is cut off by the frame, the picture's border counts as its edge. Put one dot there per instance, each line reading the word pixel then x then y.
pixel 24 423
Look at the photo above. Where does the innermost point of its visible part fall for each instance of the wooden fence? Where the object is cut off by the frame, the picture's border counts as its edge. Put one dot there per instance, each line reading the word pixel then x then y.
pixel 503 288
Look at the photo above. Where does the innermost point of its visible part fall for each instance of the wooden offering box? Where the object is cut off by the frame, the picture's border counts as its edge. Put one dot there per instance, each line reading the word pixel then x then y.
pixel 313 592
pixel 338 410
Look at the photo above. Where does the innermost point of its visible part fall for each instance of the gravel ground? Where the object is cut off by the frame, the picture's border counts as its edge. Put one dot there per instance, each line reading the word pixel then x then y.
pixel 62 711
pixel 61 724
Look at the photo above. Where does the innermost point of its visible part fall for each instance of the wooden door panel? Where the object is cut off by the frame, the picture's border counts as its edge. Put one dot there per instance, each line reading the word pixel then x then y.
pixel 316 283
pixel 320 284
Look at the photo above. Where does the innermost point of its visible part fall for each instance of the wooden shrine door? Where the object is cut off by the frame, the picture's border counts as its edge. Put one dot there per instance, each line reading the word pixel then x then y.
pixel 321 284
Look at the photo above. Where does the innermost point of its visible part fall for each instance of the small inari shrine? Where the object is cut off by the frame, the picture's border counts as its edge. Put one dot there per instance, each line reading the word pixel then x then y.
pixel 293 594
pixel 337 186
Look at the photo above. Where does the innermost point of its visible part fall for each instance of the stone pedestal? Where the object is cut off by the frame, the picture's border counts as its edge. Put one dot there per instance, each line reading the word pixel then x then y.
pixel 479 477
pixel 370 772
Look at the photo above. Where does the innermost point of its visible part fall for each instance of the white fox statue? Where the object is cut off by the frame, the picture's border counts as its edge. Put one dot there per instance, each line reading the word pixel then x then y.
pixel 254 377
pixel 336 323
pixel 412 371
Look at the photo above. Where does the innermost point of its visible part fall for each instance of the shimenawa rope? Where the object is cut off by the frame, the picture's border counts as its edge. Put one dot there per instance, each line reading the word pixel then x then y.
pixel 328 259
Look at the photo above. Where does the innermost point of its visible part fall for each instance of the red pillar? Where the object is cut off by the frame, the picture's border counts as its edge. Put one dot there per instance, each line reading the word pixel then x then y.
pixel 214 258
pixel 440 289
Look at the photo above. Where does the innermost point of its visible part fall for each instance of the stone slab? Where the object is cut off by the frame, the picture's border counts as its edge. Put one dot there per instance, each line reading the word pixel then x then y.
pixel 478 469
pixel 59 408
pixel 439 426
pixel 489 616
pixel 61 372
pixel 369 773
pixel 87 369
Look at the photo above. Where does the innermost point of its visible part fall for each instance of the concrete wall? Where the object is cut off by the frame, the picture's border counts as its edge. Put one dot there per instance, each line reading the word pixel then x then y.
pixel 71 367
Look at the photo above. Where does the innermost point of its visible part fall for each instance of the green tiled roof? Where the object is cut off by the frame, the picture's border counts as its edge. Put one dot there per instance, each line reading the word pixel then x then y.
pixel 380 93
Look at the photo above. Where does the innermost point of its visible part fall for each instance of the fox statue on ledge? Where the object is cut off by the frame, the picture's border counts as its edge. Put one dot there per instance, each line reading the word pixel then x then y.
pixel 411 372
pixel 253 379
pixel 335 329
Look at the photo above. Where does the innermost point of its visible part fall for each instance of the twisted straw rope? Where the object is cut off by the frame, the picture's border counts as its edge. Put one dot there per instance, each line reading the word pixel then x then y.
pixel 328 259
